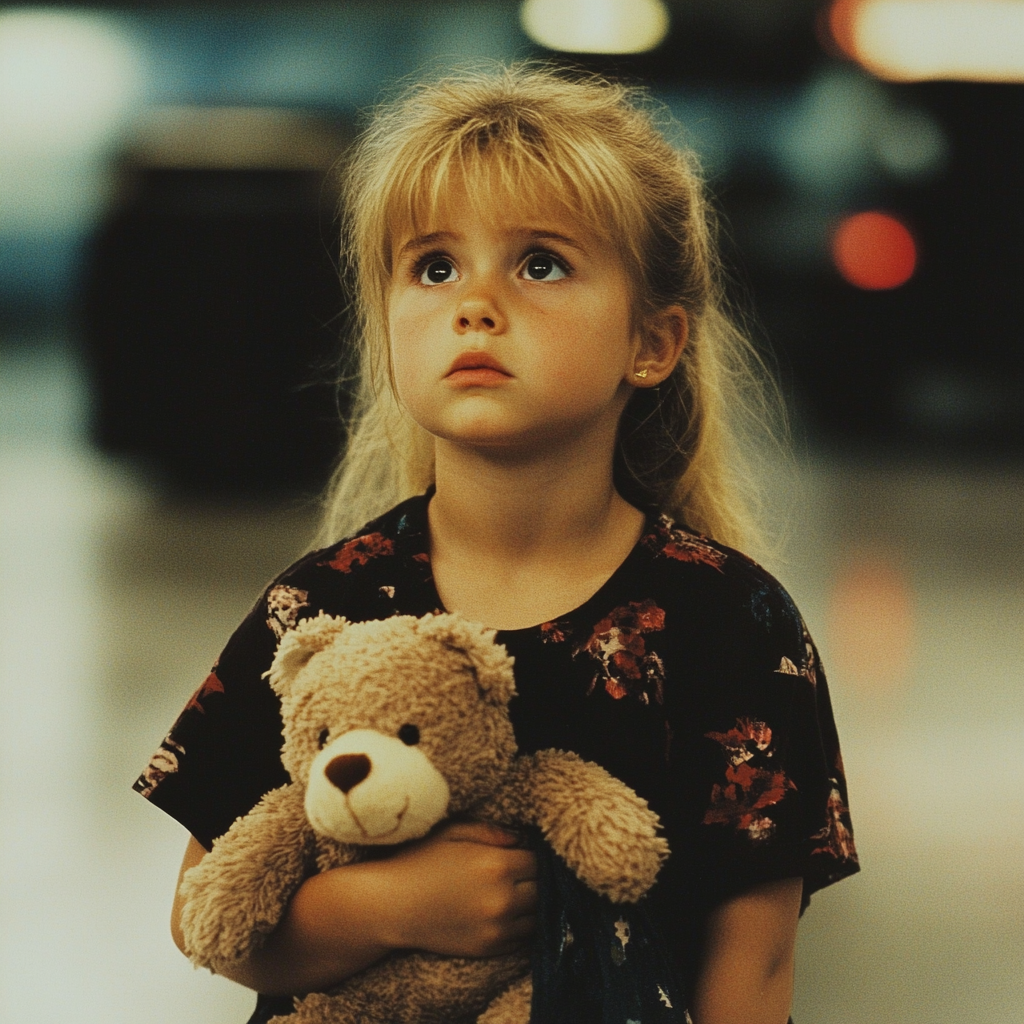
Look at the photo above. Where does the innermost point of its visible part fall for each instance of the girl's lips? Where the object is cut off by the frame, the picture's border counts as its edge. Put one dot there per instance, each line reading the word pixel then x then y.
pixel 477 368
pixel 476 376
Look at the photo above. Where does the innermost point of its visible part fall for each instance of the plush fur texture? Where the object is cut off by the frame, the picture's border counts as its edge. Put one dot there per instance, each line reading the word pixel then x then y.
pixel 391 726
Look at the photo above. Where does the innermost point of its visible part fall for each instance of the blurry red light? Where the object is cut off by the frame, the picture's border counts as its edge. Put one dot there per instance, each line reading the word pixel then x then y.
pixel 874 251
pixel 841 17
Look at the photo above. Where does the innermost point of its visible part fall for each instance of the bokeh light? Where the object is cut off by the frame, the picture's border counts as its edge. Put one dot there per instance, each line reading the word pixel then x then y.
pixel 596 26
pixel 69 82
pixel 65 79
pixel 874 251
pixel 920 40
pixel 871 622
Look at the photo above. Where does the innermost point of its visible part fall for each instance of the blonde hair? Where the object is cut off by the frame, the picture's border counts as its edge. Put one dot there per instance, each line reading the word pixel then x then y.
pixel 539 132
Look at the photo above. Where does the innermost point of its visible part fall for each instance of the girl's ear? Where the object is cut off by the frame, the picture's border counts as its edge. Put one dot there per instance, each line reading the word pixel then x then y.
pixel 664 338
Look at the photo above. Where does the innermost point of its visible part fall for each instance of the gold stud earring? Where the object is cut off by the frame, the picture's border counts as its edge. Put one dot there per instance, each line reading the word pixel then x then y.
pixel 640 373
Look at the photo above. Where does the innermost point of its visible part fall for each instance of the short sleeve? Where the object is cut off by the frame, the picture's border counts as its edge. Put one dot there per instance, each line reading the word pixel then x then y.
pixel 775 798
pixel 223 751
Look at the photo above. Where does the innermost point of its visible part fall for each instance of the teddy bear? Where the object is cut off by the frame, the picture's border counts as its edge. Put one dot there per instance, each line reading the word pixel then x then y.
pixel 391 726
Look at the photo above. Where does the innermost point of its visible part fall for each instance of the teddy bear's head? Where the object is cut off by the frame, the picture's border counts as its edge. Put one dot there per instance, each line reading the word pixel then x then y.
pixel 392 724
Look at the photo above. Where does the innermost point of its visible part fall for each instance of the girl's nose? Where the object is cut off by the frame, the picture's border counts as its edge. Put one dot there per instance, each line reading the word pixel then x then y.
pixel 478 314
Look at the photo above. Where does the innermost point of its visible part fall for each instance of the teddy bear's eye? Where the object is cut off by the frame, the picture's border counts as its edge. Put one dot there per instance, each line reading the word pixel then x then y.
pixel 409 735
pixel 323 738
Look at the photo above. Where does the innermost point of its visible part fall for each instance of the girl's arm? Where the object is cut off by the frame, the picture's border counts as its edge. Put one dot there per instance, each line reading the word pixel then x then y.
pixel 464 891
pixel 746 976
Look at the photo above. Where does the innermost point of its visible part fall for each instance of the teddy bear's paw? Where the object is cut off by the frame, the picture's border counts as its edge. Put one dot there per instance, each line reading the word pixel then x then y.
pixel 604 832
pixel 617 854
pixel 236 895
pixel 217 942
pixel 220 936
pixel 624 881
pixel 512 1006
pixel 622 865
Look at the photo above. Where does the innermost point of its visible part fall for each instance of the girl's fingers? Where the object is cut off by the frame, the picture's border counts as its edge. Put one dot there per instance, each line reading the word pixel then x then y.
pixel 524 901
pixel 519 934
pixel 522 866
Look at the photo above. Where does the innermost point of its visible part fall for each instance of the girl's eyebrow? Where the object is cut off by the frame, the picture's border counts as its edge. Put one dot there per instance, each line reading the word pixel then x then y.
pixel 421 242
pixel 543 235
pixel 425 241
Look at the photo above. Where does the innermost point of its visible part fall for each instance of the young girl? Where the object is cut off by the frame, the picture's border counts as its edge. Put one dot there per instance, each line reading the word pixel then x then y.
pixel 545 441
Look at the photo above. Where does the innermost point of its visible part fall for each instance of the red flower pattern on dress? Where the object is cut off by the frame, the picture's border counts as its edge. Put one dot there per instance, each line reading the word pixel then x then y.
pixel 617 642
pixel 838 839
pixel 360 550
pixel 165 761
pixel 211 684
pixel 283 607
pixel 748 789
pixel 671 541
pixel 555 632
pixel 743 742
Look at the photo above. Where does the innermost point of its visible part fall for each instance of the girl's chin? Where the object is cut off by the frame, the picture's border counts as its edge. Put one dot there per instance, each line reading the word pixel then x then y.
pixel 477 430
pixel 484 440
pixel 507 445
pixel 493 432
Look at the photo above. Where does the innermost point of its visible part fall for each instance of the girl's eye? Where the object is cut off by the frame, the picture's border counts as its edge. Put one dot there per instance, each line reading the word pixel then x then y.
pixel 439 272
pixel 542 267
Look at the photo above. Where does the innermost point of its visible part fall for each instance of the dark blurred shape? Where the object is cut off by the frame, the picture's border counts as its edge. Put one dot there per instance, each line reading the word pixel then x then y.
pixel 212 308
pixel 874 251
pixel 731 41
pixel 938 362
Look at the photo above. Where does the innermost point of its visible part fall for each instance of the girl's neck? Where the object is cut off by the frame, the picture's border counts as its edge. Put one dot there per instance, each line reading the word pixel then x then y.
pixel 514 543
pixel 507 507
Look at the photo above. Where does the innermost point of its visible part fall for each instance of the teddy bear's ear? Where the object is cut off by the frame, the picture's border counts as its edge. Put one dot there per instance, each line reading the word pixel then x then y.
pixel 298 645
pixel 491 663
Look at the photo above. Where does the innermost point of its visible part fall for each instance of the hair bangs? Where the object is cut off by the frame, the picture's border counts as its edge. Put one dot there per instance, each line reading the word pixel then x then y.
pixel 502 166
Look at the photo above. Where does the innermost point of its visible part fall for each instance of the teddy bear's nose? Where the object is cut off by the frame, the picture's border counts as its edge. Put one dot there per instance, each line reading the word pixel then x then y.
pixel 348 770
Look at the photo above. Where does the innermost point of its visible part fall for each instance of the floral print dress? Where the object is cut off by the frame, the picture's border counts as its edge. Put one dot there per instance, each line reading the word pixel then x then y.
pixel 689 675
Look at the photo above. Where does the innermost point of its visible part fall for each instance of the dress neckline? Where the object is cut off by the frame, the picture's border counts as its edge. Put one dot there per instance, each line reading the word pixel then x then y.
pixel 416 529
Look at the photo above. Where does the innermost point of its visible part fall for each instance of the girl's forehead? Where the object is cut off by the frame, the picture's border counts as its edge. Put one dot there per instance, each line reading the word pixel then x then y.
pixel 500 203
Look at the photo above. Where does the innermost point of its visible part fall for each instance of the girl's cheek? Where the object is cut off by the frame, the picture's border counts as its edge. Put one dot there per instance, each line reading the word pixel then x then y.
pixel 560 371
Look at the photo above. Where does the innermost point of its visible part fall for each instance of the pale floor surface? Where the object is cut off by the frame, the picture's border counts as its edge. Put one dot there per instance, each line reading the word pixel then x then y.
pixel 115 604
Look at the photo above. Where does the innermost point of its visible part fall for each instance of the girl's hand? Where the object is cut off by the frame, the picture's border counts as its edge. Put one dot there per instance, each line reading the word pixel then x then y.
pixel 465 890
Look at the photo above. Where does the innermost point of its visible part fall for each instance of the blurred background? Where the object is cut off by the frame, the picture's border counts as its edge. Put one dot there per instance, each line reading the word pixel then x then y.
pixel 170 324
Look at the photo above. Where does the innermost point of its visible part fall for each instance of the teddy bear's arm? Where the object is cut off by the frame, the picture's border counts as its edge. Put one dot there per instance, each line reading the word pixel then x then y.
pixel 604 832
pixel 238 892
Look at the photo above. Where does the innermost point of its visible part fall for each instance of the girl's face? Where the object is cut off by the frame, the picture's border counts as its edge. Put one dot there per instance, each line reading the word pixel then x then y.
pixel 510 326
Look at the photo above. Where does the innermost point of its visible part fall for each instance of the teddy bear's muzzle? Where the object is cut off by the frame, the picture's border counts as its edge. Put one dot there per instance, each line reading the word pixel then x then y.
pixel 367 787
